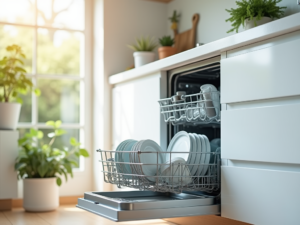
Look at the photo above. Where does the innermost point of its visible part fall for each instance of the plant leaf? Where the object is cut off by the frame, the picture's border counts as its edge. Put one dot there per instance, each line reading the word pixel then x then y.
pixel 83 152
pixel 58 181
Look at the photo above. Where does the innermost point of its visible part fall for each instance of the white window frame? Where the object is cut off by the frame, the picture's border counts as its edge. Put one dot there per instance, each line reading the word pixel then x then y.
pixel 85 79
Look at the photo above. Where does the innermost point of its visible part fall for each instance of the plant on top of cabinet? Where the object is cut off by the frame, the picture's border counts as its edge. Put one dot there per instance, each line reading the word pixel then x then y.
pixel 253 13
pixel 166 50
pixel 41 166
pixel 13 82
pixel 143 51
pixel 174 19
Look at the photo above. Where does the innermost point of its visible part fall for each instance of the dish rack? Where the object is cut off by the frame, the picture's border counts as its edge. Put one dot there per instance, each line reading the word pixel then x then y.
pixel 192 109
pixel 176 182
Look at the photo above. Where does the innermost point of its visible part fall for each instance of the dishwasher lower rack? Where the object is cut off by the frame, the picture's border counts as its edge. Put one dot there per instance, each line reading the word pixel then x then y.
pixel 142 205
pixel 195 109
pixel 205 177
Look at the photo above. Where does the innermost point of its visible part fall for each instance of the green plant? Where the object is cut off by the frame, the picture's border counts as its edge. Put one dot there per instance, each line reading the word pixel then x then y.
pixel 41 160
pixel 174 19
pixel 166 41
pixel 253 10
pixel 12 75
pixel 144 44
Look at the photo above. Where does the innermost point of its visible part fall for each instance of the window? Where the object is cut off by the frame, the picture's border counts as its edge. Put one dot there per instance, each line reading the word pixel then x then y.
pixel 53 35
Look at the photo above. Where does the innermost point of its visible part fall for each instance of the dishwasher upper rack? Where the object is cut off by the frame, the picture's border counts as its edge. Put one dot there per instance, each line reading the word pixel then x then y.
pixel 208 182
pixel 194 109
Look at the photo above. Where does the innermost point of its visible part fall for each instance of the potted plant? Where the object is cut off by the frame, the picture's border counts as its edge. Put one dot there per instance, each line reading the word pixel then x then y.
pixel 166 50
pixel 12 83
pixel 253 13
pixel 41 166
pixel 143 51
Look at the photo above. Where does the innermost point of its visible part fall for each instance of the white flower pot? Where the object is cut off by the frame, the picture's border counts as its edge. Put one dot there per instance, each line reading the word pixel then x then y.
pixel 40 194
pixel 9 115
pixel 142 58
pixel 250 23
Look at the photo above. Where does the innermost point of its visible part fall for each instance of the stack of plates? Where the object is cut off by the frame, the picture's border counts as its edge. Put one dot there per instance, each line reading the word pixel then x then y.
pixel 132 162
pixel 193 148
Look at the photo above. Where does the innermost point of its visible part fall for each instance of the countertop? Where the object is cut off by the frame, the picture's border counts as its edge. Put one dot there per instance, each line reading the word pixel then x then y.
pixel 275 28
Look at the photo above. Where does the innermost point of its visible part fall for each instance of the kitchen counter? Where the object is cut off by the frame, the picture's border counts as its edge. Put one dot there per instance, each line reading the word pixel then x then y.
pixel 275 28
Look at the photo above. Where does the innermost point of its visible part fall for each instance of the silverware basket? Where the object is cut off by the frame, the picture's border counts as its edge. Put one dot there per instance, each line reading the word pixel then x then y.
pixel 177 179
pixel 200 108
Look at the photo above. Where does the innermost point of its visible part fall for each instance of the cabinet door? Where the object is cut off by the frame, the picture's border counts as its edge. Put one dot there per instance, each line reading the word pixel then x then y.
pixel 136 113
pixel 270 72
pixel 265 134
pixel 260 197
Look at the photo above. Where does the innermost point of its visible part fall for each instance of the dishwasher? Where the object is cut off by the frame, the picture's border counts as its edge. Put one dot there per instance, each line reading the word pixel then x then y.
pixel 177 193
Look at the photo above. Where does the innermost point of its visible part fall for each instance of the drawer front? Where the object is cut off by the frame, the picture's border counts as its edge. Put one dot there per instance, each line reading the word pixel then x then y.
pixel 266 134
pixel 260 197
pixel 266 73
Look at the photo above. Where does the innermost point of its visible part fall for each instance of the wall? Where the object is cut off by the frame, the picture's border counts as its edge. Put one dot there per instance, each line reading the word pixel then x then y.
pixel 212 25
pixel 124 21
pixel 116 24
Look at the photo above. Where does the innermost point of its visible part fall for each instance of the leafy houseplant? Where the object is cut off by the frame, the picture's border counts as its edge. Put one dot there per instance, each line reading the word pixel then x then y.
pixel 41 160
pixel 143 51
pixel 13 82
pixel 254 10
pixel 174 19
pixel 166 50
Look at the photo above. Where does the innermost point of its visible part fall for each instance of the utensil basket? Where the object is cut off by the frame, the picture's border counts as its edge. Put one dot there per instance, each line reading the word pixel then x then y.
pixel 194 109
pixel 207 177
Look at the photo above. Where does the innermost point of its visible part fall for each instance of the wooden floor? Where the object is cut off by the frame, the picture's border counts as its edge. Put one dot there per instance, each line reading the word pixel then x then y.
pixel 70 215
pixel 64 215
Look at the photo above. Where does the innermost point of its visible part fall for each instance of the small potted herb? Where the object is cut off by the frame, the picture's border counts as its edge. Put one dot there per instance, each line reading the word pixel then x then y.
pixel 143 51
pixel 13 82
pixel 167 48
pixel 42 166
pixel 251 13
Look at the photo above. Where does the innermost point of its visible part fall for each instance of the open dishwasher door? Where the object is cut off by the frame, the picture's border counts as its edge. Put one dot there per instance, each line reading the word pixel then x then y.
pixel 142 205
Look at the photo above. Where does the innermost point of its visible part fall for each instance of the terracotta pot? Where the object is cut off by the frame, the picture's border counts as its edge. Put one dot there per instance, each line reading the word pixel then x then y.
pixel 9 115
pixel 40 194
pixel 166 51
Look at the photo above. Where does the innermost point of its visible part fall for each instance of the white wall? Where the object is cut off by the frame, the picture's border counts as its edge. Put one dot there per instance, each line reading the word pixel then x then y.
pixel 124 20
pixel 212 25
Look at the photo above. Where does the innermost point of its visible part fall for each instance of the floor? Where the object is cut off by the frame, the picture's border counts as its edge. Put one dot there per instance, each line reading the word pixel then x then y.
pixel 64 215
pixel 70 215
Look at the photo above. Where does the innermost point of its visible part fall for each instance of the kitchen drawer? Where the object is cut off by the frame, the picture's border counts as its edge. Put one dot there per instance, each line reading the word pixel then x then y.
pixel 260 197
pixel 265 134
pixel 266 73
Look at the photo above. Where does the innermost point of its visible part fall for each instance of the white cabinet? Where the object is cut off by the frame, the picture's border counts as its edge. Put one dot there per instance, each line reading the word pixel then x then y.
pixel 270 72
pixel 136 112
pixel 260 94
pixel 265 134
pixel 260 197
pixel 8 155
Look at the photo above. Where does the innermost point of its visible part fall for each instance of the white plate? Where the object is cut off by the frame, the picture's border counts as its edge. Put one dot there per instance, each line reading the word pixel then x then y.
pixel 150 158
pixel 126 156
pixel 118 156
pixel 175 172
pixel 181 142
pixel 196 157
pixel 207 155
pixel 203 155
pixel 192 156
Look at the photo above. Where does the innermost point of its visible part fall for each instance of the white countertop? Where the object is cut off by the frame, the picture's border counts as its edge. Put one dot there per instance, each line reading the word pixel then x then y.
pixel 266 31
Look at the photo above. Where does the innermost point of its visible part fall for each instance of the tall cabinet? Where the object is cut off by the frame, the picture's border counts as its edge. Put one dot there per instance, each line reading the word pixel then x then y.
pixel 260 132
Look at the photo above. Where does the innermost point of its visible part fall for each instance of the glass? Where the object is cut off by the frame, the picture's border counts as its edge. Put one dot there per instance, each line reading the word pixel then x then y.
pixel 17 11
pixel 21 36
pixel 59 52
pixel 61 13
pixel 26 109
pixel 59 100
